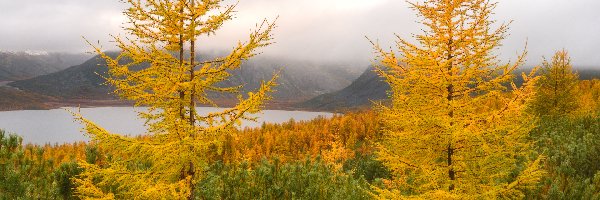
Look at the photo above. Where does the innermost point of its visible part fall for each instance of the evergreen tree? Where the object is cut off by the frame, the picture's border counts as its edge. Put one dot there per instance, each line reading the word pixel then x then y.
pixel 169 163
pixel 12 166
pixel 63 177
pixel 25 170
pixel 455 128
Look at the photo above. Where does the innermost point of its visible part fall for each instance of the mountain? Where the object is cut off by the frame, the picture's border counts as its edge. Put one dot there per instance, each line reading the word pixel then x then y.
pixel 366 88
pixel 588 73
pixel 24 65
pixel 370 87
pixel 76 82
pixel 298 80
pixel 14 99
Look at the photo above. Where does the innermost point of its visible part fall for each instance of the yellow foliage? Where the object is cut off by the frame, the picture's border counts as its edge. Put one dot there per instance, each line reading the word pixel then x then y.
pixel 58 154
pixel 336 140
pixel 337 154
pixel 456 127
pixel 168 162
pixel 589 97
pixel 556 92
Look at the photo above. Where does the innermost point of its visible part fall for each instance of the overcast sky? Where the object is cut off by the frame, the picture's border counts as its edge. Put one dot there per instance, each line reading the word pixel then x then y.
pixel 319 30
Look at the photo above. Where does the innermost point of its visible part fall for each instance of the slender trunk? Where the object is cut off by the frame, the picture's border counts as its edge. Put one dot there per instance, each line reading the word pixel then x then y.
pixel 450 98
pixel 555 97
pixel 451 172
pixel 192 59
pixel 181 91
pixel 192 174
pixel 192 105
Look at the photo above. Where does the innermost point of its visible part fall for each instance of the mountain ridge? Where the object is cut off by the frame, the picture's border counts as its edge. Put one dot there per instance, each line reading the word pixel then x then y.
pixel 368 87
pixel 24 65
pixel 298 81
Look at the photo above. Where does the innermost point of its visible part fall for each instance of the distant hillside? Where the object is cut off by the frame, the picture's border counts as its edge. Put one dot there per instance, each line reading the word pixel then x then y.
pixel 588 74
pixel 79 81
pixel 368 87
pixel 584 73
pixel 13 99
pixel 24 65
pixel 298 80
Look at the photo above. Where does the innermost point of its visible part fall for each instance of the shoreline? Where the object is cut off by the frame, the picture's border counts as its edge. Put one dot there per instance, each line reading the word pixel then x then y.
pixel 58 127
pixel 94 103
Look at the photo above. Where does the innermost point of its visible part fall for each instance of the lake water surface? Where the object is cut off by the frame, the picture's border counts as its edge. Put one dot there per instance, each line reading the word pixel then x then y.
pixel 58 125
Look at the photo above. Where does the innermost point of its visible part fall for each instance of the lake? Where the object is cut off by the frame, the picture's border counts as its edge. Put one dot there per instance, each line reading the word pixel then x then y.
pixel 59 126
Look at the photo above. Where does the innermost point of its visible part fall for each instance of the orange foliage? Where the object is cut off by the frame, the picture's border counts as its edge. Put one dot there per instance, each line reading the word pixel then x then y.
pixel 335 139
pixel 589 99
pixel 57 153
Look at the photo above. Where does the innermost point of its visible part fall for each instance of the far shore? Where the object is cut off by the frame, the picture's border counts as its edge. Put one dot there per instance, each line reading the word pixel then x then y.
pixel 92 103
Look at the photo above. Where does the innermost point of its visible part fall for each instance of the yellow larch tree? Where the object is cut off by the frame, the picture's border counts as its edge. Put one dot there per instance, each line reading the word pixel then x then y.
pixel 456 126
pixel 556 92
pixel 158 68
pixel 588 97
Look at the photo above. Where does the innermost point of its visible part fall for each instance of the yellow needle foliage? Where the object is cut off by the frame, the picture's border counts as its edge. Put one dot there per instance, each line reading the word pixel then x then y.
pixel 557 88
pixel 589 97
pixel 168 163
pixel 455 128
pixel 335 139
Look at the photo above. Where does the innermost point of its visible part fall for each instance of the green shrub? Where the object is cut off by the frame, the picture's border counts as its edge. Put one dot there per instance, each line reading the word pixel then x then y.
pixel 367 167
pixel 572 146
pixel 63 177
pixel 273 180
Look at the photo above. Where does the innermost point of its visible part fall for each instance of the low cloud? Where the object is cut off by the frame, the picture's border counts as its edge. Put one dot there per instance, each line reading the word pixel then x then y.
pixel 318 30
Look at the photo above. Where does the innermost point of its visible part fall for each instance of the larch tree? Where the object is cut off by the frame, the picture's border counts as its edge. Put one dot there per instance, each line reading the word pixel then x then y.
pixel 456 126
pixel 556 92
pixel 169 161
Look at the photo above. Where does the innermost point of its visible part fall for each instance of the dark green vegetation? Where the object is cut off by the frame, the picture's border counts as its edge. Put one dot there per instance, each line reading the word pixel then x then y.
pixel 572 146
pixel 24 172
pixel 62 179
pixel 274 180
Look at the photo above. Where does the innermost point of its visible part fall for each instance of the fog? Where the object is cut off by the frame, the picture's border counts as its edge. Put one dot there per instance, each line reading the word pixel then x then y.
pixel 315 30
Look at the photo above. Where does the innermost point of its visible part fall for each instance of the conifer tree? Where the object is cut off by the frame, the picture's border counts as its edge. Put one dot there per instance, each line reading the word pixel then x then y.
pixel 556 92
pixel 169 162
pixel 455 128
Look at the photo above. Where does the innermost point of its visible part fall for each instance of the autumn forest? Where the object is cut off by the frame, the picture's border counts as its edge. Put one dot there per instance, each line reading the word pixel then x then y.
pixel 458 122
